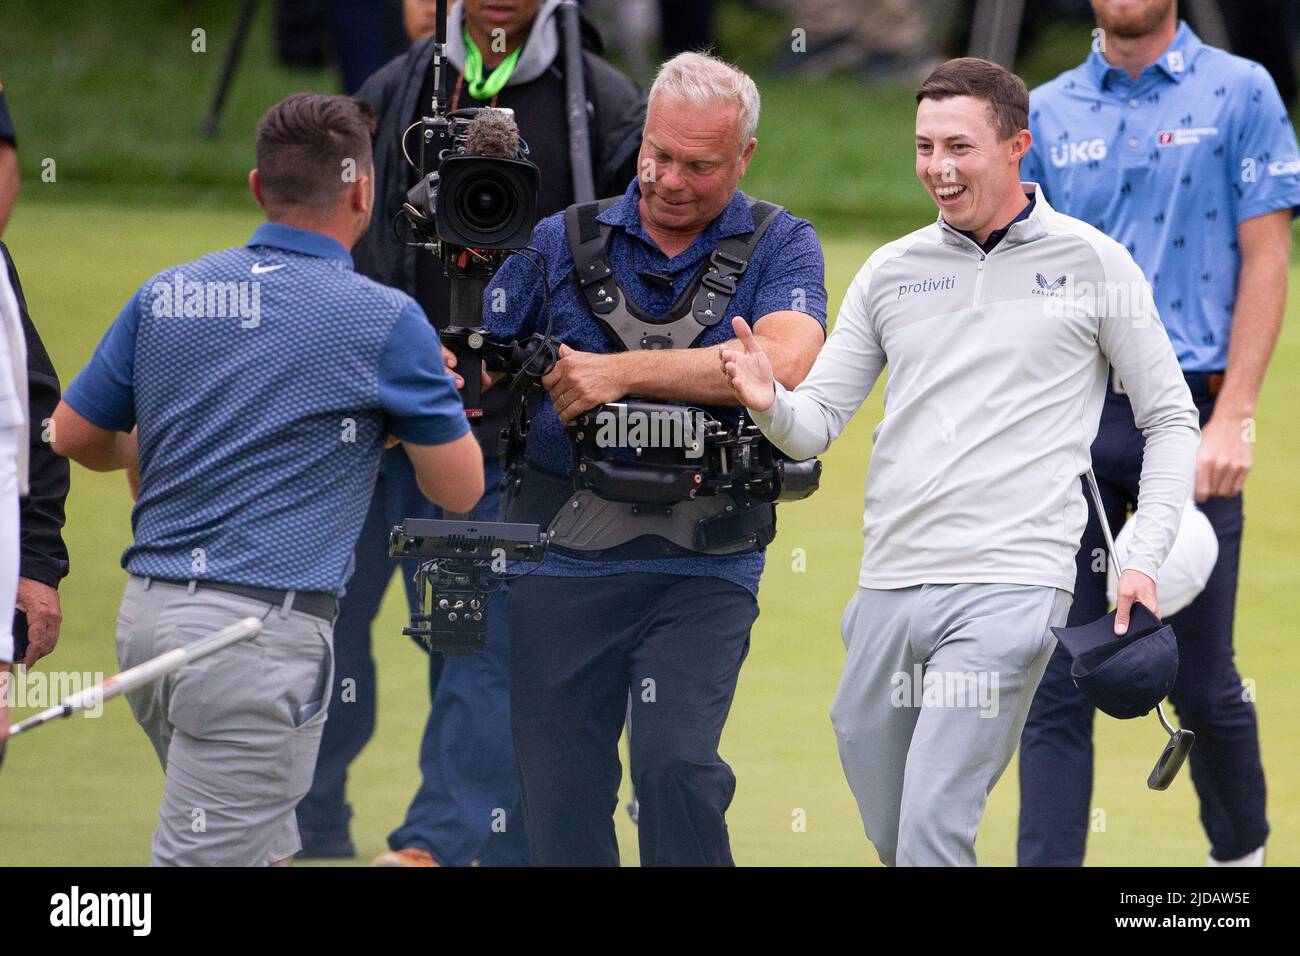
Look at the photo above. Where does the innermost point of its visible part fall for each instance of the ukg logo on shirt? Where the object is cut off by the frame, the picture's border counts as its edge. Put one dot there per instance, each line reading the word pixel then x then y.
pixel 1066 154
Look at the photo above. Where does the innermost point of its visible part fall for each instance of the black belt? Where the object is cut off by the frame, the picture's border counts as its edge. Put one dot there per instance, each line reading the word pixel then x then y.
pixel 319 604
pixel 1198 383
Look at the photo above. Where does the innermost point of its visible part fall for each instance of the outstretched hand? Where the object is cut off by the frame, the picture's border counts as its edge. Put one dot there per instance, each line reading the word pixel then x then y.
pixel 749 370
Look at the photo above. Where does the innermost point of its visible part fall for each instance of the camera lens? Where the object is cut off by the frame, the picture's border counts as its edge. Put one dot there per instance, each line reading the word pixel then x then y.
pixel 486 202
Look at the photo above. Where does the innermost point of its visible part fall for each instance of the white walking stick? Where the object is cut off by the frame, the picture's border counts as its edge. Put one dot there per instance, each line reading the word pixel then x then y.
pixel 141 674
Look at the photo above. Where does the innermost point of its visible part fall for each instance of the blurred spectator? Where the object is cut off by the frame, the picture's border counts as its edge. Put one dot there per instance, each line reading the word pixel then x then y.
pixel 43 556
pixel 639 29
pixel 362 35
pixel 881 38
pixel 13 477
pixel 632 27
pixel 686 25
pixel 8 163
pixel 419 18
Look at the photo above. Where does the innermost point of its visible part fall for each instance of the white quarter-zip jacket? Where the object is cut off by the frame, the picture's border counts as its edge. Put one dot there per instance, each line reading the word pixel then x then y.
pixel 997 375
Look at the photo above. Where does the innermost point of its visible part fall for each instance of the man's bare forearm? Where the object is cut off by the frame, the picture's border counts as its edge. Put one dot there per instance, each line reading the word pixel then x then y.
pixel 1256 323
pixel 696 375
pixel 690 375
pixel 111 456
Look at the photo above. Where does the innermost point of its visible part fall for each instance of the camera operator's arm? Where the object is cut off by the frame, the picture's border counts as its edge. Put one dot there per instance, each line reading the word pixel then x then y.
pixel 514 300
pixel 582 380
pixel 790 306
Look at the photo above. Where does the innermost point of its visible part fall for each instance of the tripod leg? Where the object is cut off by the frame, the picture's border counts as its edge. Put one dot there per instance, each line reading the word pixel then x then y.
pixel 213 120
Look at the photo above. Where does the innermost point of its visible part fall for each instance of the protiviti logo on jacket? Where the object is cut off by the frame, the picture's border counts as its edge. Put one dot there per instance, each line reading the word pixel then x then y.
pixel 927 285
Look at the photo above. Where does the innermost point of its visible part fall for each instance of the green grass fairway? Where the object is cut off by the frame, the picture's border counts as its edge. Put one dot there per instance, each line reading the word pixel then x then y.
pixel 85 792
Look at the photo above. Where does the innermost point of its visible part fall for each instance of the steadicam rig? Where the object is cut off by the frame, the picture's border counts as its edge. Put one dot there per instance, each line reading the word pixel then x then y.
pixel 675 472
pixel 462 564
pixel 678 453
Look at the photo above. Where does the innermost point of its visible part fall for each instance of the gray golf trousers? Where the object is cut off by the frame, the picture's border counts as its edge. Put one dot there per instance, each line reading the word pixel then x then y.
pixel 935 692
pixel 237 731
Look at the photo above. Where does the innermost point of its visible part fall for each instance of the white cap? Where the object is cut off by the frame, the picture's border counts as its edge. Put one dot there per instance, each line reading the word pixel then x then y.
pixel 1187 569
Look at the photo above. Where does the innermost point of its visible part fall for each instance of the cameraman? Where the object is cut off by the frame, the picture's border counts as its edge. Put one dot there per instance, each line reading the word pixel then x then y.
pixel 259 435
pixel 673 630
pixel 504 53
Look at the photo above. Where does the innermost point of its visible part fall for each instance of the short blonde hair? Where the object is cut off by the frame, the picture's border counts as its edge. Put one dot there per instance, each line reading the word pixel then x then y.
pixel 702 78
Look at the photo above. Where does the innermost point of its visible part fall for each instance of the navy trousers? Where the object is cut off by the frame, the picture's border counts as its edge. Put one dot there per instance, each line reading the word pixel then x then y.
pixel 577 646
pixel 467 809
pixel 1056 753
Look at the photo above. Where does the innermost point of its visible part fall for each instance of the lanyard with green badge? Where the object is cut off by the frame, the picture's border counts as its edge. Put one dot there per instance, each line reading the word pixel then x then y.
pixel 485 89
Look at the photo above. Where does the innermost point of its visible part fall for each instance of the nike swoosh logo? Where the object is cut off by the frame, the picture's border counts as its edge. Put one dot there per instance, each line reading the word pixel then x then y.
pixel 258 268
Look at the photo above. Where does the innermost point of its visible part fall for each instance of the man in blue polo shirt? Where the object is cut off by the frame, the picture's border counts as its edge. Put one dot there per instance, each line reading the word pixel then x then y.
pixel 1186 155
pixel 673 630
pixel 252 391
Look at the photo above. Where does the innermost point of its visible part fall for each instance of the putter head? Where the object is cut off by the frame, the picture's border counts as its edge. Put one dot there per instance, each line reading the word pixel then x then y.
pixel 1171 759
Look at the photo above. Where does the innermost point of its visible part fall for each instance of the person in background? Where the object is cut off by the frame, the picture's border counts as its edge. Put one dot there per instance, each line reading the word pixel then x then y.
pixel 419 19
pixel 44 556
pixel 686 26
pixel 1185 154
pixel 8 163
pixel 880 39
pixel 13 477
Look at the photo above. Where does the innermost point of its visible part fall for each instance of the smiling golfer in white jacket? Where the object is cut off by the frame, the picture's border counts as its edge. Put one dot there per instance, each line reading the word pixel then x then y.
pixel 997 323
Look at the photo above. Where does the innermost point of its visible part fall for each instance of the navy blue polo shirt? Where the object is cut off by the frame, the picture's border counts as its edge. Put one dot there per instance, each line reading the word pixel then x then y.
pixel 1169 165
pixel 263 381
pixel 785 273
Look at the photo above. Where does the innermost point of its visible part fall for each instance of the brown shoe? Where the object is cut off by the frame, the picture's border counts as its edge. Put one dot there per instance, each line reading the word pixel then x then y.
pixel 411 856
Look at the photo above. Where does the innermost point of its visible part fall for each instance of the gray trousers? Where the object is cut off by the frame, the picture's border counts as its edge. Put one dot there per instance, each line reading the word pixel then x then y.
pixel 236 731
pixel 935 692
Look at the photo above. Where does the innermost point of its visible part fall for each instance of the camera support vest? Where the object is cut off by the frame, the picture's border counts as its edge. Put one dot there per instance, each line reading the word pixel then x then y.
pixel 582 523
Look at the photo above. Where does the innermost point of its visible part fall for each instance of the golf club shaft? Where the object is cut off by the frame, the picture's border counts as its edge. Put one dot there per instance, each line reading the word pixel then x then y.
pixel 142 674
pixel 1114 560
pixel 1105 525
